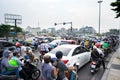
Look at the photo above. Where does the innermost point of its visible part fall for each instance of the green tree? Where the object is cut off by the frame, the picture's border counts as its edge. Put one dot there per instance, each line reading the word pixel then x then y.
pixel 6 29
pixel 117 7
pixel 114 31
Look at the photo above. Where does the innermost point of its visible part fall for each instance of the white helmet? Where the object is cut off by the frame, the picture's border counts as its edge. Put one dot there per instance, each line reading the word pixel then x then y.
pixel 94 47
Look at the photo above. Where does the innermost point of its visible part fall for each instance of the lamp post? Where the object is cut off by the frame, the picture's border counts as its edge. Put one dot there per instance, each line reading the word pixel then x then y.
pixel 100 1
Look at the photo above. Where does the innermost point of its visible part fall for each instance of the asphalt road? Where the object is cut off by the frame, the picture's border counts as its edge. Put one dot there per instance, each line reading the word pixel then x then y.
pixel 84 72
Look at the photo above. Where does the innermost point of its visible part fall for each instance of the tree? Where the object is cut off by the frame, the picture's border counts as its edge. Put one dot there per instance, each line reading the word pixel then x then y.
pixel 117 7
pixel 114 31
pixel 6 29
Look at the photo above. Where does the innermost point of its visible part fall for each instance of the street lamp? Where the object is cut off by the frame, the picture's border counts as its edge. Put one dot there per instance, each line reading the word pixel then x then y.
pixel 100 1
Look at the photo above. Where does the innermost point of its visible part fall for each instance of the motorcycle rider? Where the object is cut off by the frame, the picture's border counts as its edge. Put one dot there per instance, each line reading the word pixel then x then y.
pixel 18 48
pixel 18 63
pixel 97 55
pixel 4 65
pixel 101 54
pixel 44 48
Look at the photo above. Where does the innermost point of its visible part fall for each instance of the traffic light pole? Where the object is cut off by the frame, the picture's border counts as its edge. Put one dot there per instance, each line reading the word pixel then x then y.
pixel 64 24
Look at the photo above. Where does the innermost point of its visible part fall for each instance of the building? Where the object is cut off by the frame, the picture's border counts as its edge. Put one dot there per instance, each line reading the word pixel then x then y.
pixel 87 30
pixel 33 31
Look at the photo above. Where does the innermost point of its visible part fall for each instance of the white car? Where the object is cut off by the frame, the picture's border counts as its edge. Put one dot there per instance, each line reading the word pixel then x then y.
pixel 72 54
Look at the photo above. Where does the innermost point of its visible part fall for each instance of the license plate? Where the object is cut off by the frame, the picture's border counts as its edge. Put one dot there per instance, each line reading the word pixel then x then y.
pixel 92 71
pixel 92 66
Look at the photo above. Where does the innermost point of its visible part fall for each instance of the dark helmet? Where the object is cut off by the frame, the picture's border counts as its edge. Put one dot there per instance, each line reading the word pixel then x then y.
pixel 59 54
pixel 46 58
pixel 53 59
pixel 15 53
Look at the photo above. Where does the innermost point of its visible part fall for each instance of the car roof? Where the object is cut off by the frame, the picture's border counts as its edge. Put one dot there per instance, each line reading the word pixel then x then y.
pixel 3 41
pixel 69 45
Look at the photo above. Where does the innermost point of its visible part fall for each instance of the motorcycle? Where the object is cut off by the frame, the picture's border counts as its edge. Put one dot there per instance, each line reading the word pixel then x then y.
pixel 31 70
pixel 95 66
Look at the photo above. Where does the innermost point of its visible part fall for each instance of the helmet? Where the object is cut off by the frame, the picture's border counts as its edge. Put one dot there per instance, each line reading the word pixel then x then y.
pixel 15 53
pixel 53 59
pixel 17 44
pixel 94 47
pixel 59 54
pixel 46 58
pixel 97 45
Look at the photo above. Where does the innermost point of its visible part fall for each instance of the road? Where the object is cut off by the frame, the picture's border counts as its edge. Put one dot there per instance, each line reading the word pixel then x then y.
pixel 84 72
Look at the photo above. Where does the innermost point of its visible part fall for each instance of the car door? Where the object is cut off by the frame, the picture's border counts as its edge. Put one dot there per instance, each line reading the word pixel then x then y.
pixel 86 54
pixel 79 56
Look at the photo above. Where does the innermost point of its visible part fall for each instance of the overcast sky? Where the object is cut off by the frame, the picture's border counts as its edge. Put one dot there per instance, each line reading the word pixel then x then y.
pixel 44 13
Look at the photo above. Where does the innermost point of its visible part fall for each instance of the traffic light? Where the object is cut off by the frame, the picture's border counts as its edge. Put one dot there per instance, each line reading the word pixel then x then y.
pixel 71 29
pixel 64 23
pixel 55 24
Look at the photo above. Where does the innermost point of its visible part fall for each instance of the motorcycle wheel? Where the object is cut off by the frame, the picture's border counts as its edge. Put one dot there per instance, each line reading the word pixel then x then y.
pixel 92 71
pixel 36 61
pixel 35 74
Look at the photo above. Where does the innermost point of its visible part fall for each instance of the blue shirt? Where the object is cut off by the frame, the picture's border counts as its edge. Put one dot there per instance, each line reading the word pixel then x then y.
pixel 47 71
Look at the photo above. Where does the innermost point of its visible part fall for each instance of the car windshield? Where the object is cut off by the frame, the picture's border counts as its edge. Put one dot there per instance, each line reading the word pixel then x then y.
pixel 55 41
pixel 62 49
pixel 64 42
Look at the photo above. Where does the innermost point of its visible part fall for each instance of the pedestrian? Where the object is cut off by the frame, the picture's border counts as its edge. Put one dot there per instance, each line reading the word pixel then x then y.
pixel 46 68
pixel 62 67
pixel 55 70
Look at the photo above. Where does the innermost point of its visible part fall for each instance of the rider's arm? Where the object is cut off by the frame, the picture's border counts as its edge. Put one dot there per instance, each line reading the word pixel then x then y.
pixel 20 62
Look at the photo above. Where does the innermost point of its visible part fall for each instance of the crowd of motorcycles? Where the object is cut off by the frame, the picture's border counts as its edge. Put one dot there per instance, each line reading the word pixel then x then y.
pixel 95 65
pixel 30 68
pixel 34 72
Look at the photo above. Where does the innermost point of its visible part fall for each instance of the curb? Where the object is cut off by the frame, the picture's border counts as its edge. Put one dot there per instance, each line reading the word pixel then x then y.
pixel 106 73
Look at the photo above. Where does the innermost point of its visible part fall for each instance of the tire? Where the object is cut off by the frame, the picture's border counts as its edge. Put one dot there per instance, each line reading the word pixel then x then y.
pixel 35 74
pixel 36 61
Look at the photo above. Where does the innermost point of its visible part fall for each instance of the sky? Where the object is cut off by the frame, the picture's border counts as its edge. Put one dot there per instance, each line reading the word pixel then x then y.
pixel 44 13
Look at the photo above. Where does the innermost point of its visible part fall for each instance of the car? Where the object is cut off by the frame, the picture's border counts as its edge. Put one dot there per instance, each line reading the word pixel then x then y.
pixel 72 54
pixel 55 43
pixel 49 39
pixel 5 45
pixel 70 41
